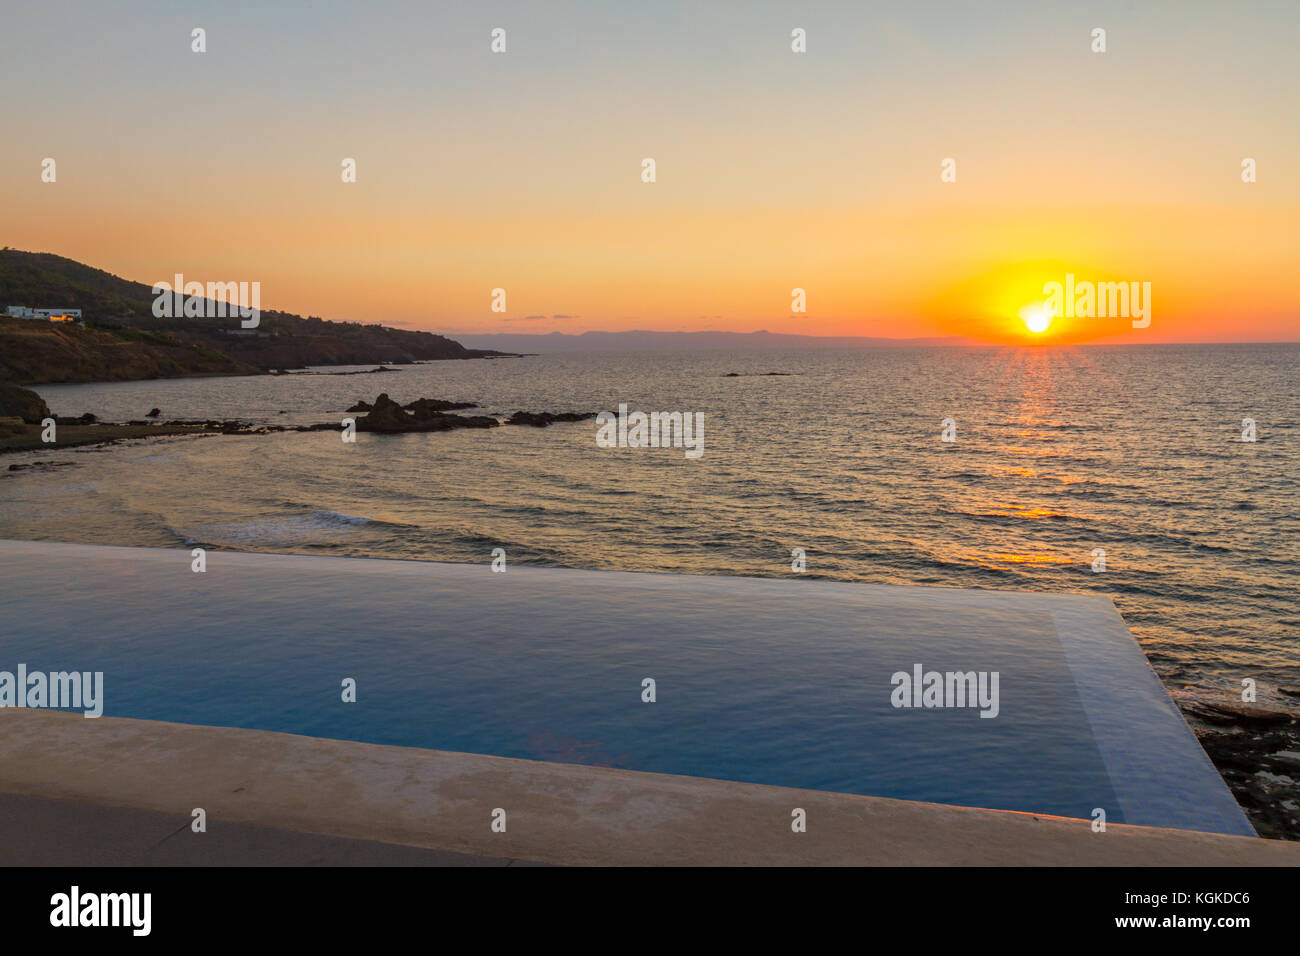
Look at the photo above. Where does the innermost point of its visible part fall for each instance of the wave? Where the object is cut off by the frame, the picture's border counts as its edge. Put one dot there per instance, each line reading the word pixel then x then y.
pixel 340 518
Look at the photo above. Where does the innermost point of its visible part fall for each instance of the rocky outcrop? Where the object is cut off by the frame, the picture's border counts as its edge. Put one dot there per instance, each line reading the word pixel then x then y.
pixel 41 465
pixel 1228 712
pixel 432 414
pixel 542 419
pixel 386 416
pixel 16 402
pixel 364 371
pixel 1257 752
pixel 428 406
pixel 421 407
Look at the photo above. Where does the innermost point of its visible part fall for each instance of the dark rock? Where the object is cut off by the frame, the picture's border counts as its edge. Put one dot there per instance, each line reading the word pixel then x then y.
pixel 366 371
pixel 16 402
pixel 424 407
pixel 154 413
pixel 542 419
pixel 1223 712
pixel 445 422
pixel 386 415
pixel 1261 766
pixel 360 407
pixel 41 466
pixel 431 414
pixel 434 423
pixel 86 419
pixel 1228 751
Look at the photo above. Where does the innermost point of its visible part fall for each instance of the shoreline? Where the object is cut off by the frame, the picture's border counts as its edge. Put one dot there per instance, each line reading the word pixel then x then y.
pixel 108 433
pixel 384 416
pixel 286 371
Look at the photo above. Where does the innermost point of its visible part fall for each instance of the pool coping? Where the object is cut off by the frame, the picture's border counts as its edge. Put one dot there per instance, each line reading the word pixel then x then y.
pixel 555 813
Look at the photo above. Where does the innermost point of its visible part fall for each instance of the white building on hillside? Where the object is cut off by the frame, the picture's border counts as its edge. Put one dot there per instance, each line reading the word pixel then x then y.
pixel 53 315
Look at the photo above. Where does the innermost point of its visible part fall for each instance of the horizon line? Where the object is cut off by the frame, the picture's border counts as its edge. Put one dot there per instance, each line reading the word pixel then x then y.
pixel 935 341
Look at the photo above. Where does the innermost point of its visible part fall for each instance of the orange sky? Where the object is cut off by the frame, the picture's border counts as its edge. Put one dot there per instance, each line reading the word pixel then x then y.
pixel 775 170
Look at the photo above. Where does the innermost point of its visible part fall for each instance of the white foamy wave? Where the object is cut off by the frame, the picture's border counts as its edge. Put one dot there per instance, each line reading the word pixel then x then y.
pixel 319 527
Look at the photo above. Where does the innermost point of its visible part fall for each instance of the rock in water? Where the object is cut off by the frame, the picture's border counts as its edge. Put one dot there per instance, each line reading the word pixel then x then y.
pixel 1229 712
pixel 542 419
pixel 386 416
pixel 426 407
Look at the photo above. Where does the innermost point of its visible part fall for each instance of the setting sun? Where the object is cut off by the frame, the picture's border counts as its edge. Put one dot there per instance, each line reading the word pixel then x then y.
pixel 1037 317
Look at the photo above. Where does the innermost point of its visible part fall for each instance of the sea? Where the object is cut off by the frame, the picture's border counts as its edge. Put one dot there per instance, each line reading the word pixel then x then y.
pixel 1164 477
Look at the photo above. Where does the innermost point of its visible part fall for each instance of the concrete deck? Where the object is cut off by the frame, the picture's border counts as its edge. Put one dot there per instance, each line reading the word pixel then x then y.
pixel 120 791
pixel 39 831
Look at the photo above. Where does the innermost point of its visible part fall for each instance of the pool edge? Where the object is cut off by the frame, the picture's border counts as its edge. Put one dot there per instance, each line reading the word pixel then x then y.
pixel 554 813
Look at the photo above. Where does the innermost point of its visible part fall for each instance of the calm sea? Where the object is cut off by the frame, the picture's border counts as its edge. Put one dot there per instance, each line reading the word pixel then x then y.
pixel 1058 452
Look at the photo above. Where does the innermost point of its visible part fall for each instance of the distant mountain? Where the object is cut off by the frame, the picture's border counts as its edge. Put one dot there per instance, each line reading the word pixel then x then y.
pixel 124 340
pixel 641 341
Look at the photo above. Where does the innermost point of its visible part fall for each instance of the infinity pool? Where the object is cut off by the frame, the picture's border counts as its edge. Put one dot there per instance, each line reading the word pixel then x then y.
pixel 777 681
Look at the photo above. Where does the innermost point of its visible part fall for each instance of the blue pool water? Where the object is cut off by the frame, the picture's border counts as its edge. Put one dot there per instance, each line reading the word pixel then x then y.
pixel 764 681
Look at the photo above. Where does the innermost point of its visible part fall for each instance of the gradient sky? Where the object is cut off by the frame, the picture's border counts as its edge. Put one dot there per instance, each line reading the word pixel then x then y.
pixel 775 170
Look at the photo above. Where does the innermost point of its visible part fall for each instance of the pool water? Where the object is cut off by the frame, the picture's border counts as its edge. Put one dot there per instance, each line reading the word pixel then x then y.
pixel 784 682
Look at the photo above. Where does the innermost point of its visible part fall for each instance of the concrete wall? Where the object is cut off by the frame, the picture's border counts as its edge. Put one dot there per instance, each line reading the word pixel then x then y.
pixel 555 813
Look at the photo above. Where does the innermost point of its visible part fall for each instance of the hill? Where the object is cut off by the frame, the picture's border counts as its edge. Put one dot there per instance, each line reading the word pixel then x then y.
pixel 123 339
pixel 35 353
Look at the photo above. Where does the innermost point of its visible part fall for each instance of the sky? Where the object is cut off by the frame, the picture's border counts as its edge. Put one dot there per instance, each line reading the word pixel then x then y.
pixel 775 170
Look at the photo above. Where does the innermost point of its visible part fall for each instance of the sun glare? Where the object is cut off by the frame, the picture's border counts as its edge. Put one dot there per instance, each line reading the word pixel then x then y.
pixel 1037 317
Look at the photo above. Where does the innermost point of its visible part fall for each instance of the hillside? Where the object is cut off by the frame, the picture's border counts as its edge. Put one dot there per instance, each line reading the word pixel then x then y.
pixel 124 340
pixel 34 353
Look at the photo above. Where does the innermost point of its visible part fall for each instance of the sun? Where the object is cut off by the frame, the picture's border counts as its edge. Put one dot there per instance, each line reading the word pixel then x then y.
pixel 1037 317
